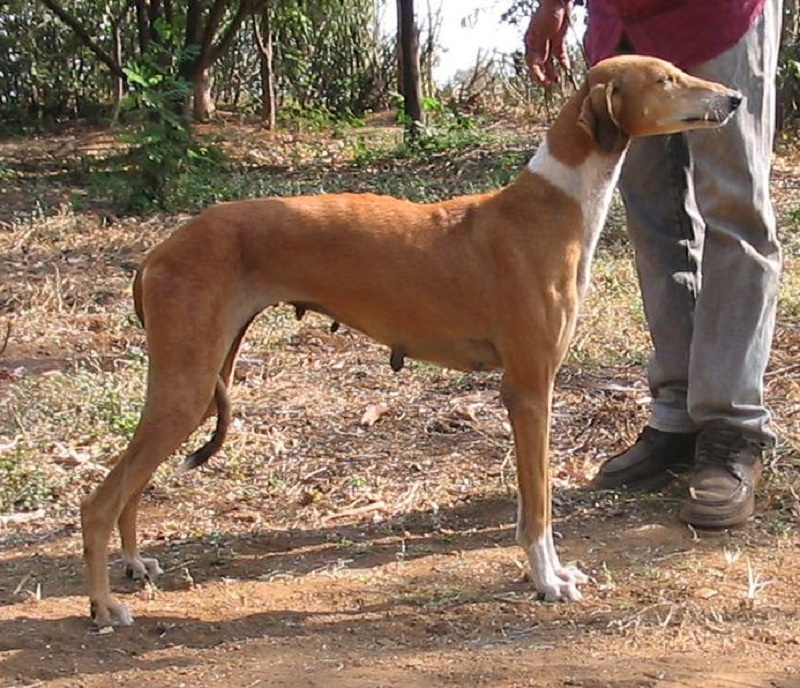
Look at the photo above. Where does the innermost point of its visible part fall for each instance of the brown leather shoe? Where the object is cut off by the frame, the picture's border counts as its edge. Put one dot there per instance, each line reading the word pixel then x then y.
pixel 722 486
pixel 650 463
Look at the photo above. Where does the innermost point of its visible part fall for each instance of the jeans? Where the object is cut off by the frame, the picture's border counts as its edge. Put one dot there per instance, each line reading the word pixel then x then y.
pixel 702 224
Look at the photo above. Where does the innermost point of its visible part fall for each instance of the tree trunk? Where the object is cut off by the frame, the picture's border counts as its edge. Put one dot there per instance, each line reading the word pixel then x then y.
pixel 198 70
pixel 264 41
pixel 119 83
pixel 204 106
pixel 142 27
pixel 409 65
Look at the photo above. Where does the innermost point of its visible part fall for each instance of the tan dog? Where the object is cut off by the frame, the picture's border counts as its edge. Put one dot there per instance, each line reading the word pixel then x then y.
pixel 473 283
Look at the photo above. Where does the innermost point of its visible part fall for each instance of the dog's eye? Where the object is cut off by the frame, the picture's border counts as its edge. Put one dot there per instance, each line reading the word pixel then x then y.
pixel 666 80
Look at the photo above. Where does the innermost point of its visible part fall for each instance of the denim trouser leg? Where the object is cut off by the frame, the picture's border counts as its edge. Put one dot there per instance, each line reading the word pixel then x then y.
pixel 701 220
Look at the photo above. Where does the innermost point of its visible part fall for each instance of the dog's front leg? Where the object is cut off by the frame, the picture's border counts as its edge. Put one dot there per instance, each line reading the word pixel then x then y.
pixel 527 399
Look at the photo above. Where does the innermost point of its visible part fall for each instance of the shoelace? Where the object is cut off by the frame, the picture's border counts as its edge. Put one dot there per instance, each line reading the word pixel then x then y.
pixel 721 448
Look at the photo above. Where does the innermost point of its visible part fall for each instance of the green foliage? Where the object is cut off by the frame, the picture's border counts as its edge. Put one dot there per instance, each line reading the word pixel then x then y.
pixel 789 67
pixel 330 64
pixel 328 57
pixel 6 172
pixel 789 83
pixel 317 118
pixel 163 153
pixel 24 485
pixel 445 128
pixel 46 74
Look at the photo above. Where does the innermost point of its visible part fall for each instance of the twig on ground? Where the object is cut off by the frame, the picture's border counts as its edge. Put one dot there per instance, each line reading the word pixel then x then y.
pixel 8 446
pixel 21 517
pixel 355 511
pixel 21 584
pixel 5 339
pixel 754 582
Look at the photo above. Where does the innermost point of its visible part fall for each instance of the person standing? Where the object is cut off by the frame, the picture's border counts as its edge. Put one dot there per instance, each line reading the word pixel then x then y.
pixel 703 228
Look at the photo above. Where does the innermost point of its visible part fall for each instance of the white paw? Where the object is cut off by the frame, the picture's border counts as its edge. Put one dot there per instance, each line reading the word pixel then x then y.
pixel 139 568
pixel 572 574
pixel 554 582
pixel 121 616
pixel 110 613
pixel 559 590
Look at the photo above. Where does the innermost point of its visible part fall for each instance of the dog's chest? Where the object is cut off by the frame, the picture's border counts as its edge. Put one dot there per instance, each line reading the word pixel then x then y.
pixel 591 185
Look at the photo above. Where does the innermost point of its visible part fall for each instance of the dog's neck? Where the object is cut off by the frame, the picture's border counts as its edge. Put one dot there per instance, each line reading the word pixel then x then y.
pixel 569 159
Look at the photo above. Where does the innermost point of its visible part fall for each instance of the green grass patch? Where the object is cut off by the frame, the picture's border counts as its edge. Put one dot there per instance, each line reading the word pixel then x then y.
pixel 63 420
pixel 440 164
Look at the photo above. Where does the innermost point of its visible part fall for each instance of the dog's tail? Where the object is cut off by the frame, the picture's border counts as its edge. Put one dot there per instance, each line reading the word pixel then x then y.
pixel 137 295
pixel 199 457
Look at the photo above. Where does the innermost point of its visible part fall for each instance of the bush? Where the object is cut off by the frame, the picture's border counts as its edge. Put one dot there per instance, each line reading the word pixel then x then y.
pixel 164 159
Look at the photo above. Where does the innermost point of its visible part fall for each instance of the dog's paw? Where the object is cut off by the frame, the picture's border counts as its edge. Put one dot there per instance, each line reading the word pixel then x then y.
pixel 553 582
pixel 109 613
pixel 139 568
pixel 572 574
pixel 562 589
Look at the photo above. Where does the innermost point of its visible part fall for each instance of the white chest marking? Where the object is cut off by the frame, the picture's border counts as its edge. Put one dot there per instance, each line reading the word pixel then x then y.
pixel 592 185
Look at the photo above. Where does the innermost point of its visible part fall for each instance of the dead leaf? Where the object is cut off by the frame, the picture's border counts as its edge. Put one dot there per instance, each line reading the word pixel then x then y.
pixel 706 593
pixel 373 414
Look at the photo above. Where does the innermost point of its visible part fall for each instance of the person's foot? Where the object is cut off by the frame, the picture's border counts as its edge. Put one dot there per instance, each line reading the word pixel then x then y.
pixel 722 486
pixel 650 463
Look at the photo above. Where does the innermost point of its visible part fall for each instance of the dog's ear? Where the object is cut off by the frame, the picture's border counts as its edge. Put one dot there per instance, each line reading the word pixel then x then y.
pixel 598 118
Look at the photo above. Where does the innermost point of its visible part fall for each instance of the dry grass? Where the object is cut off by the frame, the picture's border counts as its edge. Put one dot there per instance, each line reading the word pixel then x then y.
pixel 373 472
pixel 72 375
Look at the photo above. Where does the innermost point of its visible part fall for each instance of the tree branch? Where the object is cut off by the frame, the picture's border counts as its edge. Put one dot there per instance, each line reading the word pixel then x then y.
pixel 245 7
pixel 85 38
pixel 260 42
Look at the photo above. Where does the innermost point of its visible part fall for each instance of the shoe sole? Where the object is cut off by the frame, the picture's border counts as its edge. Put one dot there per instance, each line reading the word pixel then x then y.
pixel 712 522
pixel 730 520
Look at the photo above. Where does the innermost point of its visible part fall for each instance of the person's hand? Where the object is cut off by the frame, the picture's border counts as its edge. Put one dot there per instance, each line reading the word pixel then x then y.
pixel 544 40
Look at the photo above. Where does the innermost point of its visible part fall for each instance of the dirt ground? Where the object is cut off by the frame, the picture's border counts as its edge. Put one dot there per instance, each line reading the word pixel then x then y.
pixel 438 601
pixel 358 529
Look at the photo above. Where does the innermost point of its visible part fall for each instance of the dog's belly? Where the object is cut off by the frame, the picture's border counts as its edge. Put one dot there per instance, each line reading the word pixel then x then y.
pixel 459 353
pixel 468 355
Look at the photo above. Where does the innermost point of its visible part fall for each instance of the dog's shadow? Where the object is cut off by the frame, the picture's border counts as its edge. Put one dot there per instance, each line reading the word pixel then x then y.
pixel 588 525
pixel 264 554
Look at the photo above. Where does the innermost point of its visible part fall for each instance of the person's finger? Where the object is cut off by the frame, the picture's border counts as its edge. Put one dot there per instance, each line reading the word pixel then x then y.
pixel 537 54
pixel 537 73
pixel 558 48
pixel 551 72
pixel 536 62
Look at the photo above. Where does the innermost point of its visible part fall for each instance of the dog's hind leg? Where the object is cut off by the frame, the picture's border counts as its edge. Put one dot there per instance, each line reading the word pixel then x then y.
pixel 174 408
pixel 182 377
pixel 136 566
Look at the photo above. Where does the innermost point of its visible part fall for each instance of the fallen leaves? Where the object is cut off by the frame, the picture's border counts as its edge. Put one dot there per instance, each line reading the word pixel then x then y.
pixel 372 414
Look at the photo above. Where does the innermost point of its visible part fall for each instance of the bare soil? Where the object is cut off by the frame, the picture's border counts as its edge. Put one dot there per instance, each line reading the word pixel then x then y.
pixel 357 531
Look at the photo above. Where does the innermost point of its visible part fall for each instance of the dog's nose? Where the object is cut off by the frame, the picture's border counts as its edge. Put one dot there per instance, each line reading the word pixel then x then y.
pixel 735 101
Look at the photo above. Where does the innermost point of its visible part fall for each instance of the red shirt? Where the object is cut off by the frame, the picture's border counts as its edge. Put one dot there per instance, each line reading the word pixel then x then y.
pixel 685 32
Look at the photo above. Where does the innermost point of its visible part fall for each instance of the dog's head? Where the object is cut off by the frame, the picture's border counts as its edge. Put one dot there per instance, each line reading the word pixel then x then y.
pixel 631 95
